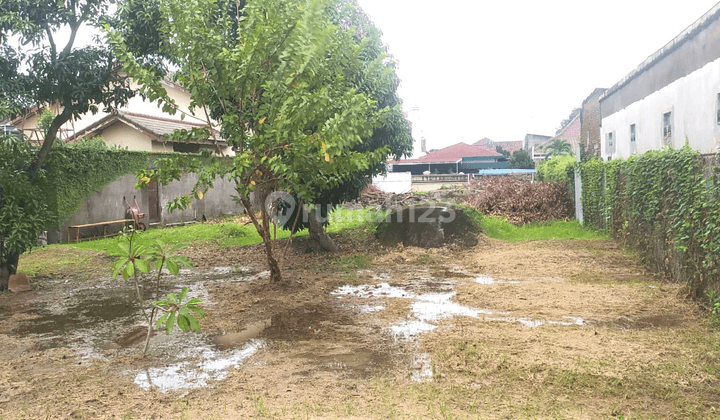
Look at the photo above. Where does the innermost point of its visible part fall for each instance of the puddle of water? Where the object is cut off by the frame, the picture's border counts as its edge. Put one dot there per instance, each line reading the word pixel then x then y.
pixel 409 329
pixel 360 361
pixel 376 291
pixel 433 306
pixel 484 280
pixel 232 340
pixel 213 366
pixel 421 368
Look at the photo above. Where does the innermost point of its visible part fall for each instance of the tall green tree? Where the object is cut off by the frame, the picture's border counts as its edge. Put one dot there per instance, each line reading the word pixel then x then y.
pixel 36 71
pixel 376 77
pixel 276 76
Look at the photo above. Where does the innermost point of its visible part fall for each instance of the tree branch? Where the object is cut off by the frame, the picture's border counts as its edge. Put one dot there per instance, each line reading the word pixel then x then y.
pixel 48 142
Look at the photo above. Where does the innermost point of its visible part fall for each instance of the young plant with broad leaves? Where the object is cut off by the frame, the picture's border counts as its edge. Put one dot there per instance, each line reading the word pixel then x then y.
pixel 137 259
pixel 278 80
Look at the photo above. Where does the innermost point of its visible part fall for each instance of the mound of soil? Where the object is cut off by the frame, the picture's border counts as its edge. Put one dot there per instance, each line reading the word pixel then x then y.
pixel 428 227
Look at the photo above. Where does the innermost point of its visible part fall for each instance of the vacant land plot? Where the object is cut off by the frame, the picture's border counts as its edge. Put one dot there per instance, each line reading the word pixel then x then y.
pixel 534 329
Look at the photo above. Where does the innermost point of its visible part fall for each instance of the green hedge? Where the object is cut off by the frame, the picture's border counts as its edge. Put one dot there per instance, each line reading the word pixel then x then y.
pixel 665 204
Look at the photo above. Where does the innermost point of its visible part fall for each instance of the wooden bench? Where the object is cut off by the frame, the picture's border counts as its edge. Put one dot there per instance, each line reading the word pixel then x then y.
pixel 103 224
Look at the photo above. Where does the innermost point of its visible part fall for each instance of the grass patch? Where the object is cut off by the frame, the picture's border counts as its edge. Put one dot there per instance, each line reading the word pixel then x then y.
pixel 228 232
pixel 499 228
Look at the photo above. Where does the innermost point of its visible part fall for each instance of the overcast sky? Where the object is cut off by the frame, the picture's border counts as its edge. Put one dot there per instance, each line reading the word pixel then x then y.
pixel 502 69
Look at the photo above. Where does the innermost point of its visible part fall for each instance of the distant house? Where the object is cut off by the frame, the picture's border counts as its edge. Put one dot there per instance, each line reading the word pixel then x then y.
pixel 533 143
pixel 510 146
pixel 570 133
pixel 140 125
pixel 672 96
pixel 460 157
pixel 590 136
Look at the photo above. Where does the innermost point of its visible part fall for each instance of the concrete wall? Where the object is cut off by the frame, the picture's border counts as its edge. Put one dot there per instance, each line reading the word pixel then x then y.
pixel 693 102
pixel 108 205
pixel 216 202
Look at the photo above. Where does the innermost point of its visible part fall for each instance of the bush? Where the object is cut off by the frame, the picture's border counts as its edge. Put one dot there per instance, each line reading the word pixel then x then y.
pixel 555 169
pixel 521 202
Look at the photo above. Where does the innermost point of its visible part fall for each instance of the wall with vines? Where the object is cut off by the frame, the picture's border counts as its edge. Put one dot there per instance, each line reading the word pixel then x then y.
pixel 666 205
pixel 75 173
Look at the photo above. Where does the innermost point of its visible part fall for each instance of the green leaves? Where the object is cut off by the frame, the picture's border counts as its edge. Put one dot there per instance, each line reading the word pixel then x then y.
pixel 185 314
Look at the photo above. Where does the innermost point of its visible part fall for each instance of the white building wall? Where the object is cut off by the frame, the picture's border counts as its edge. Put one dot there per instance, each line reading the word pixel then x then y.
pixel 394 182
pixel 693 102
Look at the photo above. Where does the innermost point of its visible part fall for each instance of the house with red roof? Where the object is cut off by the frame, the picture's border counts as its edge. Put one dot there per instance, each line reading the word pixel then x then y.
pixel 460 157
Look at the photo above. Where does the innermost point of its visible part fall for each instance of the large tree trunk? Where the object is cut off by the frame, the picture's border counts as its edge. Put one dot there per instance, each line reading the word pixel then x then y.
pixel 317 232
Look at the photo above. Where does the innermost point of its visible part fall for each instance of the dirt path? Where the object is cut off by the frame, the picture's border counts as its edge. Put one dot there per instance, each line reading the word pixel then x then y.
pixel 541 329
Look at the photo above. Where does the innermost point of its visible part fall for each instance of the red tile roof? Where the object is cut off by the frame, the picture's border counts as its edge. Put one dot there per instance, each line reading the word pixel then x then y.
pixel 570 133
pixel 483 142
pixel 452 154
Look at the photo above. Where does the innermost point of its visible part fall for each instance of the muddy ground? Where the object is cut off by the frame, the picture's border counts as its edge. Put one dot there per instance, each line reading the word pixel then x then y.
pixel 539 329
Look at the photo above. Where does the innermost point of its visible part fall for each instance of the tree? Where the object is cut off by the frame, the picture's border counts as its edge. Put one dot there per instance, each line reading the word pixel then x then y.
pixel 36 71
pixel 521 159
pixel 502 151
pixel 376 78
pixel 276 76
pixel 559 147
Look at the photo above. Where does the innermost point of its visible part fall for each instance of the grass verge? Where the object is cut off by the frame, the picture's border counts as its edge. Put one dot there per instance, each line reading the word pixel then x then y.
pixel 499 228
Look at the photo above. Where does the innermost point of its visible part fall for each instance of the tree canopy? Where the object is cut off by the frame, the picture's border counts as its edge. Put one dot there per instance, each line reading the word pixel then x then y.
pixel 36 71
pixel 280 81
pixel 521 159
pixel 559 147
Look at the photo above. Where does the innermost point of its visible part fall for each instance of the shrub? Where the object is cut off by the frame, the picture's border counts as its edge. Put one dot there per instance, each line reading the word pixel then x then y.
pixel 519 201
pixel 555 169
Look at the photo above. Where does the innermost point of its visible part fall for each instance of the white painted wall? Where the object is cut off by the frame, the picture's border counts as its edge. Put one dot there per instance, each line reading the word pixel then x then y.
pixel 394 182
pixel 693 101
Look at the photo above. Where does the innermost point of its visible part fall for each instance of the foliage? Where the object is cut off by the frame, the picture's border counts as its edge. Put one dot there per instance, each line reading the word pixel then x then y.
pixel 136 258
pixel 519 201
pixel 186 314
pixel 499 228
pixel 380 82
pixel 502 151
pixel 38 71
pixel 556 169
pixel 521 159
pixel 714 300
pixel 665 205
pixel 558 147
pixel 24 211
pixel 279 78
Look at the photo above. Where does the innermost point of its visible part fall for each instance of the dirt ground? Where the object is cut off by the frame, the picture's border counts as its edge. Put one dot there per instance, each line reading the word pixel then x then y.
pixel 538 329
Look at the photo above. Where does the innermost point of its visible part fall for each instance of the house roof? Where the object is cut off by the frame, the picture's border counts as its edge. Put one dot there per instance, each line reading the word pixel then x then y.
pixel 510 146
pixel 671 46
pixel 571 132
pixel 483 142
pixel 452 154
pixel 154 127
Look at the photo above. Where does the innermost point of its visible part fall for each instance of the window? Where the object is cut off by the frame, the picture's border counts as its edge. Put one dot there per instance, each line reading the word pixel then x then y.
pixel 610 143
pixel 633 145
pixel 667 127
